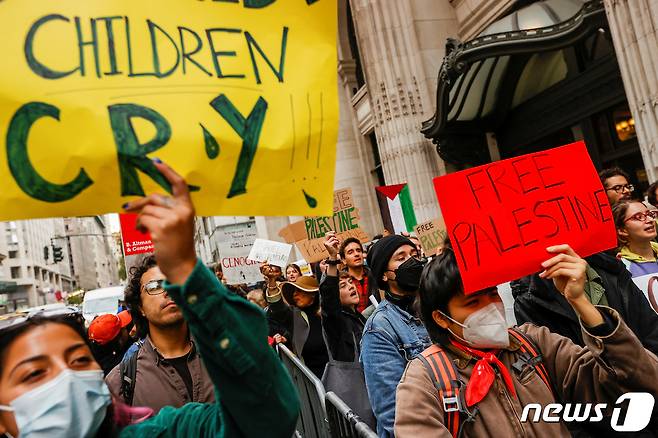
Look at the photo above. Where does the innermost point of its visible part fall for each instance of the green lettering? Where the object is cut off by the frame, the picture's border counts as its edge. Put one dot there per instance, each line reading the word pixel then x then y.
pixel 187 56
pixel 258 3
pixel 252 44
pixel 249 130
pixel 131 153
pixel 154 49
pixel 93 43
pixel 216 54
pixel 37 67
pixel 26 176
pixel 310 228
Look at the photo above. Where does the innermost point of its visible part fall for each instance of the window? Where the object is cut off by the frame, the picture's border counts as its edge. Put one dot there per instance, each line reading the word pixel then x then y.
pixel 13 254
pixel 16 272
pixel 378 170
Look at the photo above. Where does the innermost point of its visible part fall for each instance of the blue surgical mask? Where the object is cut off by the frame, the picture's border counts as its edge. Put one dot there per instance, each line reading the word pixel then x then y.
pixel 73 404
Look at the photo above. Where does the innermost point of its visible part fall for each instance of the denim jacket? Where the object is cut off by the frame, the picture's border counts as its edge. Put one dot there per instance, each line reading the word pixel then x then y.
pixel 391 339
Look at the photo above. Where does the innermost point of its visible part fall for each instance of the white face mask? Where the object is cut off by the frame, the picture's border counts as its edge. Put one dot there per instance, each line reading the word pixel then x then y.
pixel 485 328
pixel 73 404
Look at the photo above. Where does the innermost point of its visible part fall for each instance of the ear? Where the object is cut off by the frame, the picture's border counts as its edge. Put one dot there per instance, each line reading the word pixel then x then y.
pixel 623 234
pixel 441 320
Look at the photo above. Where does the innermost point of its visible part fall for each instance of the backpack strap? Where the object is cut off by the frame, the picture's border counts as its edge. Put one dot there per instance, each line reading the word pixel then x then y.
pixel 446 380
pixel 536 361
pixel 128 375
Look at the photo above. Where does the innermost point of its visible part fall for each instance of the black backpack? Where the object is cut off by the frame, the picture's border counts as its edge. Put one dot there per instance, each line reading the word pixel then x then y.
pixel 128 375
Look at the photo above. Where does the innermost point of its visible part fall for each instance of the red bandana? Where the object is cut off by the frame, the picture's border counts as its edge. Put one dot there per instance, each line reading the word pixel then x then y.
pixel 483 374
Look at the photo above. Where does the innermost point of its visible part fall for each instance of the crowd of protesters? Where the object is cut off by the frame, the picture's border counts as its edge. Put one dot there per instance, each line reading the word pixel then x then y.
pixel 389 331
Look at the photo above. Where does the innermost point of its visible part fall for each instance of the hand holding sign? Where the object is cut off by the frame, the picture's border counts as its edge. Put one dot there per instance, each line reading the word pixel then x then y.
pixel 170 221
pixel 569 273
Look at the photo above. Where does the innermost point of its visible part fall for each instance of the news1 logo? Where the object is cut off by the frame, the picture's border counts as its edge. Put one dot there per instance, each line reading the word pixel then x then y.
pixel 638 413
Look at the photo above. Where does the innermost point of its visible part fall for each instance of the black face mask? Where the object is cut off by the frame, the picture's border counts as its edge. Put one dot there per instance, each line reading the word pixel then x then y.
pixel 407 275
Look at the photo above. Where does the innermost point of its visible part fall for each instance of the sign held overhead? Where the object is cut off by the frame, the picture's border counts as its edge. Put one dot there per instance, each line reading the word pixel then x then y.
pixel 502 216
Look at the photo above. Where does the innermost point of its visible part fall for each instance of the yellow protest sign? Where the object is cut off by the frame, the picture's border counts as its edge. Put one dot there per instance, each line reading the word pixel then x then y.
pixel 238 96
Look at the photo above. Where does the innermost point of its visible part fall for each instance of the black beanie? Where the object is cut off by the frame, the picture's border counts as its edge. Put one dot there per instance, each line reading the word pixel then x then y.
pixel 381 252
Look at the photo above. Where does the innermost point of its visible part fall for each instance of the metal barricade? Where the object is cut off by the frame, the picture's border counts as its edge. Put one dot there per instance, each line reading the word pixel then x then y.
pixel 312 421
pixel 343 422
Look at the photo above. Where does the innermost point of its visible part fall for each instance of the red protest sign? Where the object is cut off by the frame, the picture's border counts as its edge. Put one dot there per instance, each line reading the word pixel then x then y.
pixel 500 217
pixel 134 241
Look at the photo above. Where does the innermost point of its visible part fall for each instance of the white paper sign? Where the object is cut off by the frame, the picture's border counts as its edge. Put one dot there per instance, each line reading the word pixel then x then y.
pixel 274 253
pixel 649 288
pixel 234 244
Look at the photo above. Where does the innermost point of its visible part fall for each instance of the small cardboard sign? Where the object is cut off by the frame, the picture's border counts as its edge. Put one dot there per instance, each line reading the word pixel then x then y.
pixel 431 234
pixel 313 250
pixel 234 245
pixel 502 216
pixel 274 253
pixel 309 234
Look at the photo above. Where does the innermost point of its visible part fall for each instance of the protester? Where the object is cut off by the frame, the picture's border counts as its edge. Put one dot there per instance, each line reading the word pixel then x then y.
pixel 293 272
pixel 470 333
pixel 609 283
pixel 110 338
pixel 343 327
pixel 351 254
pixel 341 321
pixel 168 368
pixel 50 385
pixel 616 184
pixel 219 273
pixel 636 232
pixel 393 335
pixel 295 306
pixel 257 297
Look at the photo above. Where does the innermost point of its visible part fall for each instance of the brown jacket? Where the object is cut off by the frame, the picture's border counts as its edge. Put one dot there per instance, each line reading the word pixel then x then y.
pixel 158 384
pixel 599 373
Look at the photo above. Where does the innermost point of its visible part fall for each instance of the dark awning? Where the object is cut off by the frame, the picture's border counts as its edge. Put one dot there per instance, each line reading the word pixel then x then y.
pixel 513 60
pixel 8 287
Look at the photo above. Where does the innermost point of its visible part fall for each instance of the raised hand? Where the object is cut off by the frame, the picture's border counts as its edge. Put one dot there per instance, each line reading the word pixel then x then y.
pixel 332 243
pixel 569 274
pixel 170 221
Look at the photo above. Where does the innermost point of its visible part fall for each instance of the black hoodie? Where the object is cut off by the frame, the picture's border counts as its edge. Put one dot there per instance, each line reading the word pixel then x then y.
pixel 537 301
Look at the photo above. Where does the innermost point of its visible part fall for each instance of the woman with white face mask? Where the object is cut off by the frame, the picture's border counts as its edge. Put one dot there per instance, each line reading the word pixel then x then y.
pixel 487 373
pixel 51 386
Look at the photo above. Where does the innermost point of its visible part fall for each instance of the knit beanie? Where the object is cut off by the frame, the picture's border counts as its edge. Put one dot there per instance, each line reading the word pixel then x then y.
pixel 381 252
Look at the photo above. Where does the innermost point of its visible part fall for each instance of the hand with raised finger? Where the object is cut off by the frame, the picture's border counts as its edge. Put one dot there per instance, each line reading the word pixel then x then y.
pixel 331 243
pixel 170 221
pixel 569 274
pixel 567 270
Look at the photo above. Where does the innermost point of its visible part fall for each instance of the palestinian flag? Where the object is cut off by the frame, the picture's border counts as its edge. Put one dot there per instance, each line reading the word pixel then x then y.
pixel 396 207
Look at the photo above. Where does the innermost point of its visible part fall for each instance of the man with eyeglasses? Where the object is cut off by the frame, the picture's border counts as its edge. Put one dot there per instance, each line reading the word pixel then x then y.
pixel 167 370
pixel 616 184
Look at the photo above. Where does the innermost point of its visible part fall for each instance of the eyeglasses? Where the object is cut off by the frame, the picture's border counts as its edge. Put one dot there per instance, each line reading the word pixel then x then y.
pixel 643 216
pixel 14 320
pixel 154 287
pixel 619 188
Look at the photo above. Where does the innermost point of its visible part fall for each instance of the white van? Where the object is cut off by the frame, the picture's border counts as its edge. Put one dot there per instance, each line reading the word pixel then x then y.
pixel 101 301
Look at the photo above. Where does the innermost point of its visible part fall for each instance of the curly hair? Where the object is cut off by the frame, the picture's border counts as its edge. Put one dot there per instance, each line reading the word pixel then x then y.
pixel 133 294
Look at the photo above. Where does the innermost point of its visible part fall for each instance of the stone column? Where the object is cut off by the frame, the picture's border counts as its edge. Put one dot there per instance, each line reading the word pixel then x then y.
pixel 388 35
pixel 634 29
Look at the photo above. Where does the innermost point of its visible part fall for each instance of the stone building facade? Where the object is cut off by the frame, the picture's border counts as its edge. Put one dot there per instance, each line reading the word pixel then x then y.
pixel 595 81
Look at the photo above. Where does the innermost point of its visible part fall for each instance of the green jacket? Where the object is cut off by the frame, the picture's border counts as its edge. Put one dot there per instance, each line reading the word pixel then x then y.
pixel 254 393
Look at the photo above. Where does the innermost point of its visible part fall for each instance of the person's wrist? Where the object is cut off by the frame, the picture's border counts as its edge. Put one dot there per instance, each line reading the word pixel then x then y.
pixel 180 272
